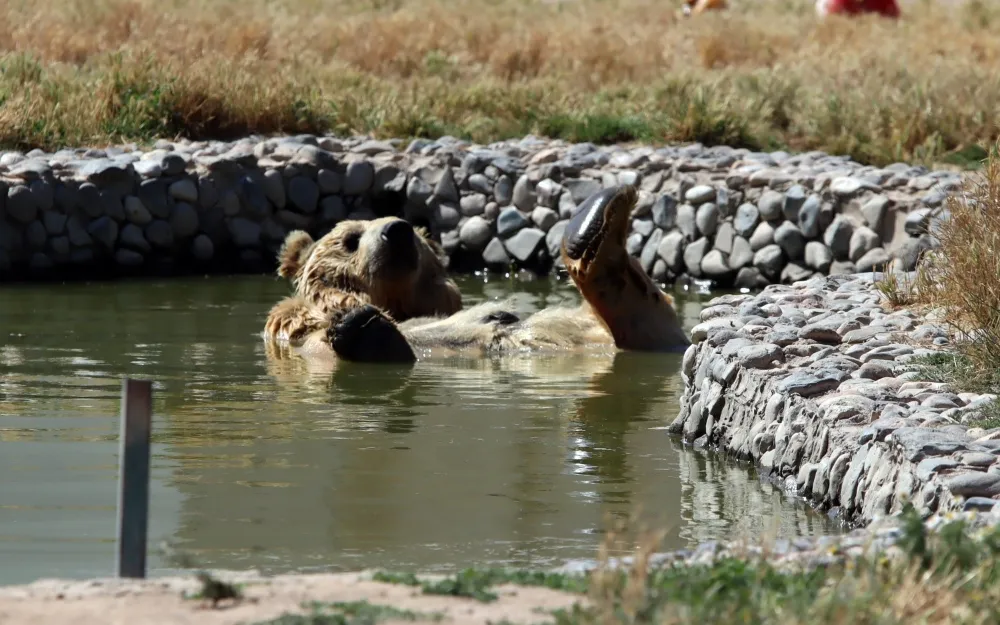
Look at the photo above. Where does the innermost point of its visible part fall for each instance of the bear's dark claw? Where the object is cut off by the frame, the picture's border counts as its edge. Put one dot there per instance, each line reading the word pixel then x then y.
pixel 364 334
pixel 502 317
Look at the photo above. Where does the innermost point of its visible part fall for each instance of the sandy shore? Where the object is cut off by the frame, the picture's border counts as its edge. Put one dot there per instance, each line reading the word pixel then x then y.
pixel 167 600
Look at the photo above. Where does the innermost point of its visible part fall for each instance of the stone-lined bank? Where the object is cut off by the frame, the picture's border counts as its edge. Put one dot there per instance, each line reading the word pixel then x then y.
pixel 729 215
pixel 811 382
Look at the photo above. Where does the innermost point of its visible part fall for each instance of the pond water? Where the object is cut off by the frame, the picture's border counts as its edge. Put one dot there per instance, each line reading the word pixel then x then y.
pixel 262 464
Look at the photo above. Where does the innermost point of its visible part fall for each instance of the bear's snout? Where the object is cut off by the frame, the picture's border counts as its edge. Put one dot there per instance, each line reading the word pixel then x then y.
pixel 399 246
pixel 398 233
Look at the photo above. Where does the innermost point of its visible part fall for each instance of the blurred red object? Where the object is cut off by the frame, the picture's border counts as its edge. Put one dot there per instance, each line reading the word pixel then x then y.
pixel 887 8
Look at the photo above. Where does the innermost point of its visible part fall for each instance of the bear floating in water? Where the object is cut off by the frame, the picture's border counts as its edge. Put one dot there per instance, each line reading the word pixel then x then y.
pixel 377 291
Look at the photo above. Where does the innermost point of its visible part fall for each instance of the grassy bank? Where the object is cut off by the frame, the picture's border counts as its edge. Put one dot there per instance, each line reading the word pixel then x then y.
pixel 764 75
pixel 949 576
pixel 960 284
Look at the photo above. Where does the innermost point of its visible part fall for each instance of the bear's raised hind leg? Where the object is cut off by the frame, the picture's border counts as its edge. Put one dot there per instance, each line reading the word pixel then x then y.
pixel 636 312
pixel 365 334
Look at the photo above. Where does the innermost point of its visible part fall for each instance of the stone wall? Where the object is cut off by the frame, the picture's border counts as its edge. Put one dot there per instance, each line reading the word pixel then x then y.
pixel 810 381
pixel 729 215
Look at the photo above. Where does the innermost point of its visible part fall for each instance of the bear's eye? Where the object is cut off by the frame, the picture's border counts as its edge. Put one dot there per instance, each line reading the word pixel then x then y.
pixel 351 242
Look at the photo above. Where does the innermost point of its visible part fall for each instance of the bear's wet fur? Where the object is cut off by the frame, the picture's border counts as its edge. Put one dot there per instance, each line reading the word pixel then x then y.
pixel 383 262
pixel 378 291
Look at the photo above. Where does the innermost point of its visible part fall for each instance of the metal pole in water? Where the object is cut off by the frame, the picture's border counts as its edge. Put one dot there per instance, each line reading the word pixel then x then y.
pixel 133 477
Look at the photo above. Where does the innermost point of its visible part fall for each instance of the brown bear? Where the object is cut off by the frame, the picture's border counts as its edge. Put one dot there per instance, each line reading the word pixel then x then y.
pixel 382 262
pixel 362 302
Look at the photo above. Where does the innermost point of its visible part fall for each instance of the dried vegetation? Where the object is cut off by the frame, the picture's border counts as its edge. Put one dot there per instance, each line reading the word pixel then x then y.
pixel 765 74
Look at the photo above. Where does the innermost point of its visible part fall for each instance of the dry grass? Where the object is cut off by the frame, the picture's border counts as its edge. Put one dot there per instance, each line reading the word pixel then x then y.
pixel 946 577
pixel 964 275
pixel 765 74
pixel 962 278
pixel 960 282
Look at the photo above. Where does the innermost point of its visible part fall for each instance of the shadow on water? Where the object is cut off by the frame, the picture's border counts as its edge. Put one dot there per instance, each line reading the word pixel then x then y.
pixel 286 465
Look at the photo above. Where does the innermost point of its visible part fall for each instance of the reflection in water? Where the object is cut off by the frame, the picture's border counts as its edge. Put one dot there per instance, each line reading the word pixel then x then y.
pixel 284 464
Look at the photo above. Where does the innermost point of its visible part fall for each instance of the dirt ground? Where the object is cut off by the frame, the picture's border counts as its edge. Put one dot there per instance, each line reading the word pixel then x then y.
pixel 162 600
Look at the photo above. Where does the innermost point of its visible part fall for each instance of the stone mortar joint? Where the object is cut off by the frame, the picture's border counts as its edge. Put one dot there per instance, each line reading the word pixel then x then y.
pixel 810 381
pixel 732 216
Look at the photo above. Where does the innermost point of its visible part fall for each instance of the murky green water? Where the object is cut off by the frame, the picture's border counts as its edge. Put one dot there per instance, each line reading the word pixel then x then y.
pixel 447 464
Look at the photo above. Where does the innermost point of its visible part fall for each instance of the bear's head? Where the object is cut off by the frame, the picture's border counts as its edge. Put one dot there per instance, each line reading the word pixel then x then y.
pixel 399 268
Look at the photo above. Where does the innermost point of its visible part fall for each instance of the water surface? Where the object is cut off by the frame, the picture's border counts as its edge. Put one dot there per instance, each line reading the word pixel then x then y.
pixel 276 466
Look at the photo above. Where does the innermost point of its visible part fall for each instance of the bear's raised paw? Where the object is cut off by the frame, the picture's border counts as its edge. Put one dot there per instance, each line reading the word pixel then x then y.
pixel 365 334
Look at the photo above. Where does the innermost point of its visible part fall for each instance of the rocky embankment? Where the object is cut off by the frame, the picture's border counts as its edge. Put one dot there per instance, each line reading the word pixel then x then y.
pixel 729 215
pixel 813 382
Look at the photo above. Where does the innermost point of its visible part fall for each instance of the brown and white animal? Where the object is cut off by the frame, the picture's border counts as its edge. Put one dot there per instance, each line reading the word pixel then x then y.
pixel 377 291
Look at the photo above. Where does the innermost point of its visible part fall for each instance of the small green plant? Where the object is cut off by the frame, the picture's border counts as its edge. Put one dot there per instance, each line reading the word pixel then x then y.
pixel 896 290
pixel 475 583
pixel 959 370
pixel 468 583
pixel 407 579
pixel 349 613
pixel 944 576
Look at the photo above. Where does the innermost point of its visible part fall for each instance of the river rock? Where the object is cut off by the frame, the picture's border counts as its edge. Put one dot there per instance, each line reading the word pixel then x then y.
pixel 184 220
pixel 707 218
pixel 671 250
pixel 524 195
pixel 769 260
pixel 104 230
pixel 809 216
pixel 863 241
pixel 714 264
pixel 911 250
pixel 818 256
pixel 473 205
pixel 202 248
pixel 874 260
pixel 510 221
pixel 700 194
pixel 495 255
pixel 664 212
pixel 762 236
pixel 795 197
pixel 184 190
pixel 874 211
pixel 131 236
pixel 274 188
pixel 544 218
pixel 770 205
pixel 303 194
pixel 741 255
pixel 244 233
pixel 838 238
pixel 524 245
pixel 789 238
pixel 475 233
pixel 21 204
pixel 358 178
pixel 724 237
pixel 746 219
pixel 648 256
pixel 693 255
pixel 55 223
pixel 687 222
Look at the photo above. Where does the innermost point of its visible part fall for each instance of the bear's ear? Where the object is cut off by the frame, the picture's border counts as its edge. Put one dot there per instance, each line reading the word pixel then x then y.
pixel 293 252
